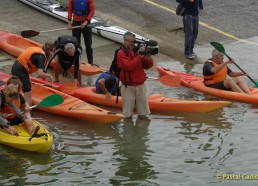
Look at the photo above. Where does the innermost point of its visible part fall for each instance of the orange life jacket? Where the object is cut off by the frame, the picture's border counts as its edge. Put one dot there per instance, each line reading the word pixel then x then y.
pixel 24 58
pixel 217 77
pixel 8 110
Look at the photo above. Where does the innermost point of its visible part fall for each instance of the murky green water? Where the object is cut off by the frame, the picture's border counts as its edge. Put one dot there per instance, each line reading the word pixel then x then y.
pixel 179 149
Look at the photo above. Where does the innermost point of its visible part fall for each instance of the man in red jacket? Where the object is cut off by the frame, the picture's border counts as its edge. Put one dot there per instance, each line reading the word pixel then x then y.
pixel 132 76
pixel 82 12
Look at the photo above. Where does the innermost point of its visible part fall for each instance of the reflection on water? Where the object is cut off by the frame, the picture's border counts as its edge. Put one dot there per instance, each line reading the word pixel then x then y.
pixel 132 154
pixel 16 165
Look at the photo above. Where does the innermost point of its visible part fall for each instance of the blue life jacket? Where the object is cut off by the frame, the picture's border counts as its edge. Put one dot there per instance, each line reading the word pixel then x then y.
pixel 81 7
pixel 111 86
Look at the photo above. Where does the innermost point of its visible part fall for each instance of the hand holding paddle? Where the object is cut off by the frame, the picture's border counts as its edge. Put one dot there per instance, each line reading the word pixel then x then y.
pixel 219 47
pixel 33 33
pixel 50 101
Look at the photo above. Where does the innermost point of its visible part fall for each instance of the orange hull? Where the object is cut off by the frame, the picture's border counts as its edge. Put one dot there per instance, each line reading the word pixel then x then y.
pixel 71 107
pixel 196 83
pixel 157 102
pixel 15 45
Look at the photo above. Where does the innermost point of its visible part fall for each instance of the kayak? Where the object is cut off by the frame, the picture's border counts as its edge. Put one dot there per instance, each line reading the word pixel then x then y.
pixel 71 107
pixel 42 142
pixel 157 102
pixel 55 9
pixel 15 45
pixel 196 83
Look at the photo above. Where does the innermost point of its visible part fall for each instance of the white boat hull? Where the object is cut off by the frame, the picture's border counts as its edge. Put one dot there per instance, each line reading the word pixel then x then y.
pixel 56 10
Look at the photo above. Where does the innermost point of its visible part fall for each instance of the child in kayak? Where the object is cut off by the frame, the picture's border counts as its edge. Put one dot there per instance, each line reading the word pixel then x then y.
pixel 11 104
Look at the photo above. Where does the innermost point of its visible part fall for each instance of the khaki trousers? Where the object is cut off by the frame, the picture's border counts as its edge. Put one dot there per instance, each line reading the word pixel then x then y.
pixel 132 95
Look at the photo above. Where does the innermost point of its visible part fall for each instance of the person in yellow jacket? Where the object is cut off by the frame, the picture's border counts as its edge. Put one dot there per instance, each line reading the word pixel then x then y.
pixel 215 73
pixel 30 61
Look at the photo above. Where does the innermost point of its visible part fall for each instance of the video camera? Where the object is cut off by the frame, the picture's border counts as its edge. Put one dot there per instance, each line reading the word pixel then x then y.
pixel 151 47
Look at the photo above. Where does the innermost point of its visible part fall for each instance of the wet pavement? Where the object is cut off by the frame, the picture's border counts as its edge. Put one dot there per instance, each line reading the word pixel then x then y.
pixel 222 20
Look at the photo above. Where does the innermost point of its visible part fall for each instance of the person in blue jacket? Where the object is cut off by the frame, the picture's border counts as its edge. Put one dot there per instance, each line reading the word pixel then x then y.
pixel 107 83
pixel 193 8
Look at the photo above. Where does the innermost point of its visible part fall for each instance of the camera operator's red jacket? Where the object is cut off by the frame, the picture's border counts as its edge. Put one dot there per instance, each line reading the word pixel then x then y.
pixel 132 67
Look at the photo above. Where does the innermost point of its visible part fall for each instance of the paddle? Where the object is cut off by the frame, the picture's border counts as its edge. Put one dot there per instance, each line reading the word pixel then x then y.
pixel 33 33
pixel 221 49
pixel 46 85
pixel 50 101
pixel 171 81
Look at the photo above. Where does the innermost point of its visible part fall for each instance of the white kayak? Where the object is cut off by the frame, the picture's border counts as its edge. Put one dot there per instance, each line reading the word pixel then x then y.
pixel 53 8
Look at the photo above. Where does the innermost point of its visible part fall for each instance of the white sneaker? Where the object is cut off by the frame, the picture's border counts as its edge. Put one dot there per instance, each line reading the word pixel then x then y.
pixel 190 56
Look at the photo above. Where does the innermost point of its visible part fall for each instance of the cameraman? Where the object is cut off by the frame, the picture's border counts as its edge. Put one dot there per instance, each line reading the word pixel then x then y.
pixel 132 76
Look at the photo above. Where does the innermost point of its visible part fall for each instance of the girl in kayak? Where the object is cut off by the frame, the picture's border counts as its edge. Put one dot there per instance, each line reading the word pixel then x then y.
pixel 11 105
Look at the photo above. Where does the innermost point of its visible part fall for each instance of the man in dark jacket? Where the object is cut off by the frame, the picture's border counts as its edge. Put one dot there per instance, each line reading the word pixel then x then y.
pixel 67 53
pixel 193 8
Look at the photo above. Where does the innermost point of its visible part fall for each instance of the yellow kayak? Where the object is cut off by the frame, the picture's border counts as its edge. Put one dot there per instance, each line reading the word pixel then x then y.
pixel 40 143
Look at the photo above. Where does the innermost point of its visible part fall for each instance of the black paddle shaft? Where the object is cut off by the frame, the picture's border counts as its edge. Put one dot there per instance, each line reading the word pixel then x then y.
pixel 241 70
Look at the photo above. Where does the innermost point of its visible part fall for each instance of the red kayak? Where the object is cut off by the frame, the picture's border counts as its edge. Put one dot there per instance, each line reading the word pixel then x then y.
pixel 157 102
pixel 71 107
pixel 15 45
pixel 196 83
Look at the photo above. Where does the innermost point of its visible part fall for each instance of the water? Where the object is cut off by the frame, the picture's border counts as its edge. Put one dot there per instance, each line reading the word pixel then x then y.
pixel 178 149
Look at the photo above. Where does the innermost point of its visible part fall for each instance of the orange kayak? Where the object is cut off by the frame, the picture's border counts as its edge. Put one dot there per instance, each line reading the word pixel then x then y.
pixel 71 107
pixel 15 45
pixel 157 102
pixel 196 83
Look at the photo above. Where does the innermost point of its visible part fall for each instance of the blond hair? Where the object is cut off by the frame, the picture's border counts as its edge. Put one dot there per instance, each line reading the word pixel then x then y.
pixel 11 92
pixel 16 81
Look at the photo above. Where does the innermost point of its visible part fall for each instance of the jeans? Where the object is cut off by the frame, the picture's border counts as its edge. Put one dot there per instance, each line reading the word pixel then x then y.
pixel 87 35
pixel 191 24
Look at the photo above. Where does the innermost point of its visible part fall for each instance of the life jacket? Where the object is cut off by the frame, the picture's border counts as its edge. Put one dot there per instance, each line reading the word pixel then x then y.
pixel 111 87
pixel 24 58
pixel 81 7
pixel 217 77
pixel 7 109
pixel 66 61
